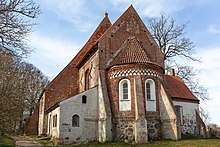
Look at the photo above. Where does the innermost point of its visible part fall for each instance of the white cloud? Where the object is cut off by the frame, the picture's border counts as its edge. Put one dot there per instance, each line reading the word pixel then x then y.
pixel 153 8
pixel 210 65
pixel 51 55
pixel 73 11
pixel 214 29
pixel 210 77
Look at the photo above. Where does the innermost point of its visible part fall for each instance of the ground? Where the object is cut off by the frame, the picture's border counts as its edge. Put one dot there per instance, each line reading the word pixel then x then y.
pixel 6 141
pixel 35 142
pixel 25 141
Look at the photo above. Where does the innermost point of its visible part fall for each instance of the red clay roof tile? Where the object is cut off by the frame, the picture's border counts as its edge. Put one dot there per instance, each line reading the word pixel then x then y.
pixel 178 89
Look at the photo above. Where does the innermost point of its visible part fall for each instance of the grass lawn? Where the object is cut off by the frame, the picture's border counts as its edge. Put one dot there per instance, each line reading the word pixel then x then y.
pixel 6 141
pixel 163 143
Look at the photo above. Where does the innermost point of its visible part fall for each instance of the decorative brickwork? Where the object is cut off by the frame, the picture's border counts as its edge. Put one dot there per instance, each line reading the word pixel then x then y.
pixel 130 72
pixel 130 52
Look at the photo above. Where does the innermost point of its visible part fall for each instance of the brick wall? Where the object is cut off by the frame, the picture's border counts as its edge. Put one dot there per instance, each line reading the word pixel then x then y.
pixel 31 123
pixel 63 86
pixel 128 25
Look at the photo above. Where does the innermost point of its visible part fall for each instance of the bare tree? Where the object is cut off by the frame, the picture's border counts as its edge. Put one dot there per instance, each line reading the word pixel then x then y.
pixel 205 115
pixel 170 37
pixel 15 24
pixel 214 130
pixel 11 105
pixel 20 86
pixel 189 75
pixel 173 43
pixel 35 82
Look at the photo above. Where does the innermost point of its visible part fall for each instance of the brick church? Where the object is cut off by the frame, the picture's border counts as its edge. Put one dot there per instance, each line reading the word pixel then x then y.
pixel 115 88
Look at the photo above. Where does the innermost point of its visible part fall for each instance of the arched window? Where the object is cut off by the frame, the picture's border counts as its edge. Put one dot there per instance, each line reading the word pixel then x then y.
pixel 150 95
pixel 75 121
pixel 87 80
pixel 125 91
pixel 124 95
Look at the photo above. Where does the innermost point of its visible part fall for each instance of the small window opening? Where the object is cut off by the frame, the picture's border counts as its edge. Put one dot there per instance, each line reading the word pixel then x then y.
pixel 84 99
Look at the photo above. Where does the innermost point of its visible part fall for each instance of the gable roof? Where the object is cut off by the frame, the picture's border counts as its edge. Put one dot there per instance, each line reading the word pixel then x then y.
pixel 178 90
pixel 63 85
pixel 130 52
pixel 100 30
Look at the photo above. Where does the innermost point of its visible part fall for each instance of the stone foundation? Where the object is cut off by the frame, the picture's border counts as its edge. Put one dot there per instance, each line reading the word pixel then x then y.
pixel 189 125
pixel 153 126
pixel 123 130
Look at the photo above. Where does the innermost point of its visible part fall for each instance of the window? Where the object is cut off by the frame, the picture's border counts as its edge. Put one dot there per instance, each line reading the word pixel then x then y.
pixel 84 99
pixel 75 121
pixel 150 95
pixel 87 80
pixel 55 120
pixel 125 91
pixel 124 95
pixel 179 113
pixel 148 91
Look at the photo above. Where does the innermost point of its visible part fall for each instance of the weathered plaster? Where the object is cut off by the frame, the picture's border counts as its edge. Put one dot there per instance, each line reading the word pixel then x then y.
pixel 54 131
pixel 189 117
pixel 88 117
pixel 168 116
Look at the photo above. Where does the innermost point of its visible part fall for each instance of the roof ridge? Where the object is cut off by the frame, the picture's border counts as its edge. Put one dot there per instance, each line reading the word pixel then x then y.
pixel 103 27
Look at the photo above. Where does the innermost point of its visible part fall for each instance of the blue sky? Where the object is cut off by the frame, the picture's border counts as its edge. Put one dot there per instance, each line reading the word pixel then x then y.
pixel 65 26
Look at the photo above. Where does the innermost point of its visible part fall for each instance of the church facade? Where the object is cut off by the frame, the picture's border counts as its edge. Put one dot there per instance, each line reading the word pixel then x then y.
pixel 115 88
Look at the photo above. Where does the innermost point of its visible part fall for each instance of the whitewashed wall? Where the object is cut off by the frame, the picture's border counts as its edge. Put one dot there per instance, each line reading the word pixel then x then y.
pixel 88 114
pixel 188 116
pixel 54 131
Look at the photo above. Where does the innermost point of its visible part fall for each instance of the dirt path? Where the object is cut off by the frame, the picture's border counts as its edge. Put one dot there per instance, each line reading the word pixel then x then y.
pixel 24 141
